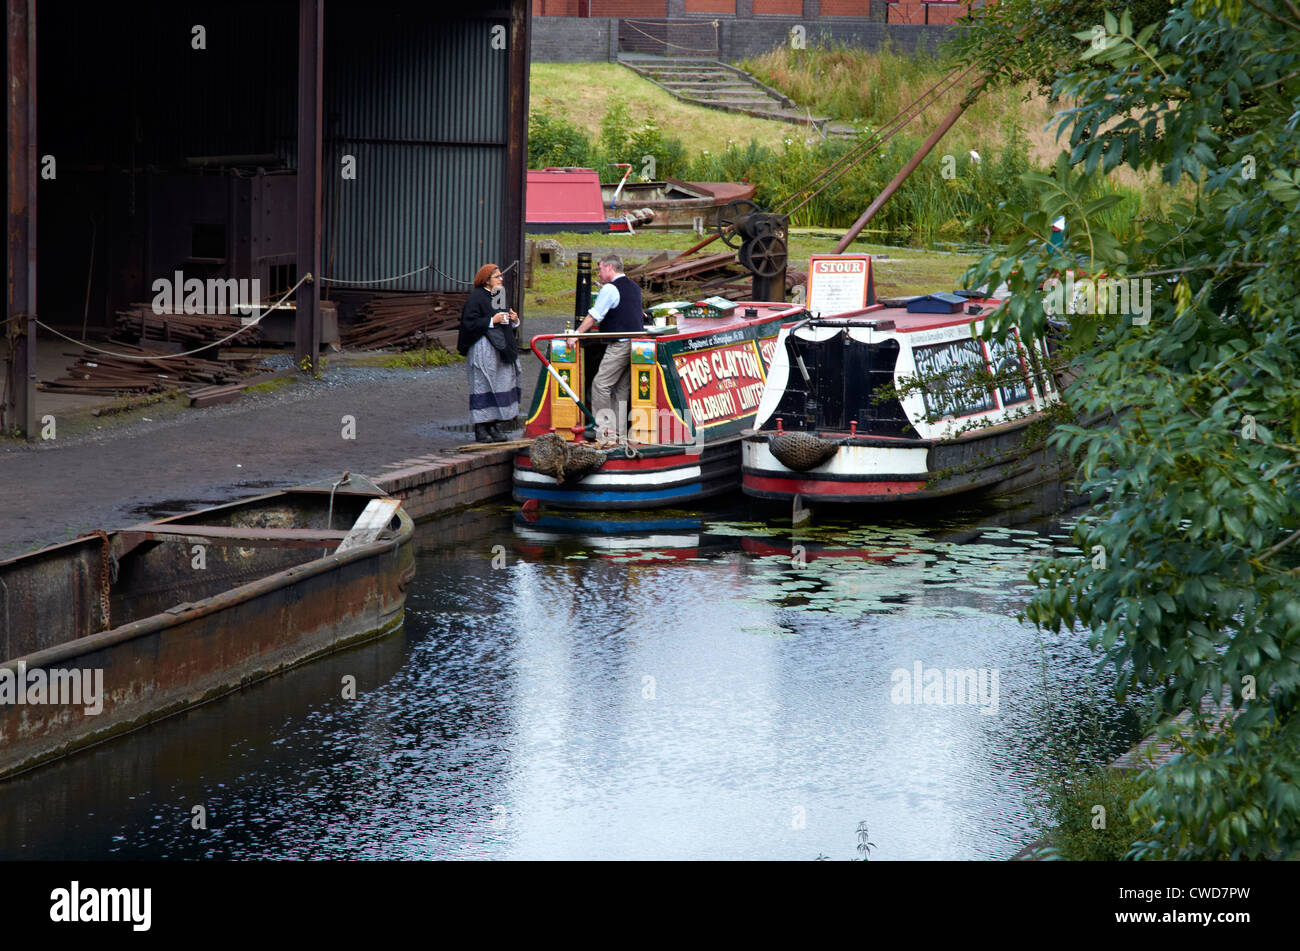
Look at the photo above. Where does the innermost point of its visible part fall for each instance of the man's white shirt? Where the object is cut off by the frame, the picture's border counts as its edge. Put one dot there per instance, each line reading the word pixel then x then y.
pixel 607 299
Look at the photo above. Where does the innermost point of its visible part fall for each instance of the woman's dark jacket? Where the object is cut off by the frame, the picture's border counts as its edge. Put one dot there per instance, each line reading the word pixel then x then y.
pixel 476 322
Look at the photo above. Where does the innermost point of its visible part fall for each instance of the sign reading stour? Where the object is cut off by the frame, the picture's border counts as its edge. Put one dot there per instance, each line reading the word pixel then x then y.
pixel 838 283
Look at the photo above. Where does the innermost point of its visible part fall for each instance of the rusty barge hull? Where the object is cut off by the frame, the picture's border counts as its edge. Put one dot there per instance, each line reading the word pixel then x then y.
pixel 274 591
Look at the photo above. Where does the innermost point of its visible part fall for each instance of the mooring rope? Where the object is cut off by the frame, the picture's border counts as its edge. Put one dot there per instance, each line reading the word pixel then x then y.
pixel 187 353
pixel 418 270
pixel 105 576
pixel 675 46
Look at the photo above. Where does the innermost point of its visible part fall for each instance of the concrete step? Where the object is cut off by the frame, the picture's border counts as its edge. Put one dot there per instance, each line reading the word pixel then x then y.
pixel 736 101
pixel 683 77
pixel 697 89
pixel 659 62
pixel 688 84
pixel 710 84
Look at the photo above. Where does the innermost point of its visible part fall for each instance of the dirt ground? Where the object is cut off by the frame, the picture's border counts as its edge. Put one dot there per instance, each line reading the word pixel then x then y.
pixel 114 471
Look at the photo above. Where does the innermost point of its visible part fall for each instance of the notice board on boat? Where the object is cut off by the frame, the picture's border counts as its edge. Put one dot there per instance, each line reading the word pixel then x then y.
pixel 721 384
pixel 839 283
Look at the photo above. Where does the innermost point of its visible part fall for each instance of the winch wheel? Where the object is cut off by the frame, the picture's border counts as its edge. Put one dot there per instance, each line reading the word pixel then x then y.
pixel 765 255
pixel 729 216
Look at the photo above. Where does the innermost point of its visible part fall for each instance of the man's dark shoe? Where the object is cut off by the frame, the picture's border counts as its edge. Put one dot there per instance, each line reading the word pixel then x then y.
pixel 483 433
pixel 498 432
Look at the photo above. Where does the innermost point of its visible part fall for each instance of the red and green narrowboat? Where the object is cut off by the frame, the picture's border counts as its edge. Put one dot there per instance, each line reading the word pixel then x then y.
pixel 696 383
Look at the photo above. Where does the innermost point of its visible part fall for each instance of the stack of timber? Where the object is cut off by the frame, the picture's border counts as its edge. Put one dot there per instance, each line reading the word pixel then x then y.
pixel 404 321
pixel 106 374
pixel 190 331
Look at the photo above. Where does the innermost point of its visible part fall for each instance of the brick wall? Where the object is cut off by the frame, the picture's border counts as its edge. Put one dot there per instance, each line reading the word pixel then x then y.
pixel 629 8
pixel 574 39
pixel 435 488
pixel 845 8
pixel 555 8
pixel 904 12
pixel 595 39
pixel 922 11
pixel 739 39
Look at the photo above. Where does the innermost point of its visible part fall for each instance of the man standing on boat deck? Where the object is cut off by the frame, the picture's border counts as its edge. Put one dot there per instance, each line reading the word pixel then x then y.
pixel 617 310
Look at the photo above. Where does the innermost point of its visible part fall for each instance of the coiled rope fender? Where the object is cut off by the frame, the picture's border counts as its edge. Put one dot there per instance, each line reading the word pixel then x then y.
pixel 801 451
pixel 552 455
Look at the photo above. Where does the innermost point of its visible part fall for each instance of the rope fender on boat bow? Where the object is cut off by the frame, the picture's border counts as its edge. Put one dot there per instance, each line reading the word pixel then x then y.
pixel 553 455
pixel 801 451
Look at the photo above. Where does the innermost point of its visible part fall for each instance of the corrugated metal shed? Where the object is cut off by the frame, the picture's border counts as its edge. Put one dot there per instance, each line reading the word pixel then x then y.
pixel 423 108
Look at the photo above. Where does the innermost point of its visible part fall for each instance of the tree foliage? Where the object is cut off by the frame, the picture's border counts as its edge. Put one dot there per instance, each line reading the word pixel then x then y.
pixel 1031 41
pixel 1189 577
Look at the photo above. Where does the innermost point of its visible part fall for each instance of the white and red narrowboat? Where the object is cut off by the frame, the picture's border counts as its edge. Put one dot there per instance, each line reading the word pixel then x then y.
pixel 695 387
pixel 957 418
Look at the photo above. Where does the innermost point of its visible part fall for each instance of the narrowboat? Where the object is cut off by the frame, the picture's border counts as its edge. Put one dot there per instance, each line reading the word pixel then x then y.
pixel 695 386
pixel 110 631
pixel 885 404
pixel 673 535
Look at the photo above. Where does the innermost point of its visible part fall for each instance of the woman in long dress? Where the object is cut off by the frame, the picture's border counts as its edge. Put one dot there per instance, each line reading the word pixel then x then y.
pixel 487 340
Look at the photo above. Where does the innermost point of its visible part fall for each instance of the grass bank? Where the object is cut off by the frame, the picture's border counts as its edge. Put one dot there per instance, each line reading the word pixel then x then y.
pixel 899 272
pixel 970 187
pixel 583 93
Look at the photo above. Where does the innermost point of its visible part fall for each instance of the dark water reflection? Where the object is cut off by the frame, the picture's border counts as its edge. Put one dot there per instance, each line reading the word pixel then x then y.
pixel 705 687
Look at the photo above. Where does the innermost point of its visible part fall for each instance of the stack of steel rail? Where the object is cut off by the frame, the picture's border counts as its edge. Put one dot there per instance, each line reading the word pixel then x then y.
pixel 105 373
pixel 189 331
pixel 403 321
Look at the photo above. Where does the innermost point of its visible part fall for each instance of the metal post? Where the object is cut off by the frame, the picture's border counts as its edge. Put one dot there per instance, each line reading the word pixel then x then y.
pixel 20 329
pixel 513 230
pixel 910 167
pixel 582 290
pixel 311 31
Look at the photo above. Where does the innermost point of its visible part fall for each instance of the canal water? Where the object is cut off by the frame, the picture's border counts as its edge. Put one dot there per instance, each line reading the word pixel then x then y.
pixel 699 686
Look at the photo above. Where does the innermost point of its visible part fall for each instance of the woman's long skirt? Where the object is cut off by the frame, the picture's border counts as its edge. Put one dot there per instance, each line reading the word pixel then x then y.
pixel 493 384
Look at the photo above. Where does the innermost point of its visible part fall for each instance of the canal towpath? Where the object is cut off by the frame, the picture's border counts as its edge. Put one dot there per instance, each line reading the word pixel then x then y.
pixel 113 471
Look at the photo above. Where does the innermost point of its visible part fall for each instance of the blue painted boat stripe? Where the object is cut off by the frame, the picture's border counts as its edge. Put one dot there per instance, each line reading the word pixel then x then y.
pixel 560 495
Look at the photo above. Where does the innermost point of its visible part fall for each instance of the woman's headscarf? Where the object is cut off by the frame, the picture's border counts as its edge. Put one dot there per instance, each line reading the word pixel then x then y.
pixel 484 275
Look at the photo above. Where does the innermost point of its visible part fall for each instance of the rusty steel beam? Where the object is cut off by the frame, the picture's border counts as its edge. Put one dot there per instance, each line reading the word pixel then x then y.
pixel 311 32
pixel 517 147
pixel 250 537
pixel 910 167
pixel 19 401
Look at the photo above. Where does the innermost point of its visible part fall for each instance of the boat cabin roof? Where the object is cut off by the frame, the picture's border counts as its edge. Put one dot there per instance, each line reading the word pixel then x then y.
pixel 745 312
pixel 880 315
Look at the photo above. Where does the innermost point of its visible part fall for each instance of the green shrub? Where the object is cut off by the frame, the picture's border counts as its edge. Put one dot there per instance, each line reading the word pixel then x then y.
pixel 552 141
pixel 427 357
pixel 668 153
pixel 614 136
pixel 1087 817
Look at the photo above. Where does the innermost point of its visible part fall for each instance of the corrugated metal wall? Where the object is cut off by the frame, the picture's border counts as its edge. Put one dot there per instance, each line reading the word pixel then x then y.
pixel 421 100
pixel 422 106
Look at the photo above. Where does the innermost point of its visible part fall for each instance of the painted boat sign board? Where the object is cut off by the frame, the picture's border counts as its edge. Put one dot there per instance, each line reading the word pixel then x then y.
pixel 839 283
